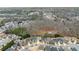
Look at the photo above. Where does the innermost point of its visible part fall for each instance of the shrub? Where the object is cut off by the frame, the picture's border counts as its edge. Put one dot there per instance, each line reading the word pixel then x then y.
pixel 20 32
pixel 58 35
pixel 52 35
pixel 8 45
pixel 2 22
